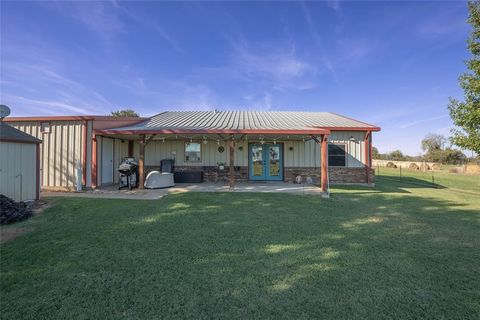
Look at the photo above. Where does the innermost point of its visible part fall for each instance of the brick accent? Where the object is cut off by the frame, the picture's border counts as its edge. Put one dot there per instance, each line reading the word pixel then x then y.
pixel 210 173
pixel 336 174
pixel 350 175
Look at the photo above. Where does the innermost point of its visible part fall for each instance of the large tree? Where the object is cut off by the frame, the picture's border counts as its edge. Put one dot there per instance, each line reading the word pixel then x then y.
pixel 433 142
pixel 125 113
pixel 466 114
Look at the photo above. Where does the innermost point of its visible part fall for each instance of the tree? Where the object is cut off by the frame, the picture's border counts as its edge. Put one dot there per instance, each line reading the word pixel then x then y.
pixel 466 114
pixel 375 153
pixel 396 155
pixel 433 142
pixel 125 113
pixel 447 156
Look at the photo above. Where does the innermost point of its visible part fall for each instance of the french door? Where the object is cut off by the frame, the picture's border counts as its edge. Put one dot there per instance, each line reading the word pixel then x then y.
pixel 265 162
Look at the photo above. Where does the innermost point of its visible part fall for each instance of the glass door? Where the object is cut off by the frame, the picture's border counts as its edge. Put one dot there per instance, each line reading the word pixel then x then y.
pixel 257 163
pixel 266 162
pixel 274 162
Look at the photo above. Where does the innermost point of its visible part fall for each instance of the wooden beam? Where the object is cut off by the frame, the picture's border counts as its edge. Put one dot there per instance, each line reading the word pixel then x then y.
pixel 231 164
pixel 147 141
pixel 141 162
pixel 324 163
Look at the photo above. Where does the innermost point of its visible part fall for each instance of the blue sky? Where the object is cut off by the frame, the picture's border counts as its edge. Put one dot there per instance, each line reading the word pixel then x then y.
pixel 393 64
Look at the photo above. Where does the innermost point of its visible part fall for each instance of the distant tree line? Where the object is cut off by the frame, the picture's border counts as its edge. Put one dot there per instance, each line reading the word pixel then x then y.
pixel 434 149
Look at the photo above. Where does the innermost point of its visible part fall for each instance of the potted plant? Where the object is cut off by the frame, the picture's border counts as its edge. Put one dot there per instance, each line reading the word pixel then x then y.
pixel 221 165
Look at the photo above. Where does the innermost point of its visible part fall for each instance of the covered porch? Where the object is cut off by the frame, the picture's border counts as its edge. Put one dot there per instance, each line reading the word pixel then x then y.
pixel 227 159
pixel 112 192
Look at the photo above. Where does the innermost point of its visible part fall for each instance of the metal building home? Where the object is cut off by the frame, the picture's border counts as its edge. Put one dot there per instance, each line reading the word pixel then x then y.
pixel 323 147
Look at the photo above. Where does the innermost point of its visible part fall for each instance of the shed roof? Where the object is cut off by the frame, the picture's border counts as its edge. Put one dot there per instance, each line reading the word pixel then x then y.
pixel 245 122
pixel 10 134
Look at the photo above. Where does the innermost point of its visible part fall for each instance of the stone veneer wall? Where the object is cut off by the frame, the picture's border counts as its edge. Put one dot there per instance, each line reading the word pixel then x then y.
pixel 336 174
pixel 210 173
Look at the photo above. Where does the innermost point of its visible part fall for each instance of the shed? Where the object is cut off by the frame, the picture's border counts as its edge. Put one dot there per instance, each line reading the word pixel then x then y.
pixel 19 164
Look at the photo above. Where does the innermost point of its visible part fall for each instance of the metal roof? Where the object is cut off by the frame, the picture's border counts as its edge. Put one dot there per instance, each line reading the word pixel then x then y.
pixel 245 121
pixel 9 133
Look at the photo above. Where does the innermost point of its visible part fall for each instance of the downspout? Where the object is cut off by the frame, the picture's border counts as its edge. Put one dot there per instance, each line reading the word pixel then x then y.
pixel 84 152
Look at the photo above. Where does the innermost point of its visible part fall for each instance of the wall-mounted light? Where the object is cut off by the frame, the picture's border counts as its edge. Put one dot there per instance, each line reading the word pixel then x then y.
pixel 352 138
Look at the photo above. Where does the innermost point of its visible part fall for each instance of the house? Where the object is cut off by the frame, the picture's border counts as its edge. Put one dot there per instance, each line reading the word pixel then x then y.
pixel 19 164
pixel 265 146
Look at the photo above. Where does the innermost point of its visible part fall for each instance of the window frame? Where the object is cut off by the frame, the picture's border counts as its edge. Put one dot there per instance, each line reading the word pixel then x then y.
pixel 345 145
pixel 47 127
pixel 186 144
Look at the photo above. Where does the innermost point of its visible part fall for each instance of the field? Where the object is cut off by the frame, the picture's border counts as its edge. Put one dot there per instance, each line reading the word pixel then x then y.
pixel 401 250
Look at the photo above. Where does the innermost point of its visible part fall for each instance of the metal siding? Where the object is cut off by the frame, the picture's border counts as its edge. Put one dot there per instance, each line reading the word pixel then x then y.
pixel 355 148
pixel 60 149
pixel 15 159
pixel 120 151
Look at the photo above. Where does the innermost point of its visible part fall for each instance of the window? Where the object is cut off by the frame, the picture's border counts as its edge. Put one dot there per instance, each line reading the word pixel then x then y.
pixel 193 152
pixel 45 127
pixel 337 157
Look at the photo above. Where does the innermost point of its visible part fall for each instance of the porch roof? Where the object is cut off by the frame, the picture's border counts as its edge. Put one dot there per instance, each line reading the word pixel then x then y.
pixel 243 122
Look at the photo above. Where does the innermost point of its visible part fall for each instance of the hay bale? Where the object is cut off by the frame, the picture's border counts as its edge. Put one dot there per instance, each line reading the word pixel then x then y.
pixel 424 167
pixel 413 166
pixel 436 166
pixel 391 165
pixel 472 169
pixel 454 170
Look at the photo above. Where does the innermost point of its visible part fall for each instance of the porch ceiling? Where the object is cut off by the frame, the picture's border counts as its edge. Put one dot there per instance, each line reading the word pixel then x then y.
pixel 212 137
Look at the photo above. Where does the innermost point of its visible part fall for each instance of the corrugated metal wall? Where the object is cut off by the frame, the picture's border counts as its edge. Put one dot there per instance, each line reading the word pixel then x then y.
pixel 60 151
pixel 18 163
pixel 304 154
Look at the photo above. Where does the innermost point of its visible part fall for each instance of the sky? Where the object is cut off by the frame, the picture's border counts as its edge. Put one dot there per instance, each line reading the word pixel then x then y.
pixel 393 64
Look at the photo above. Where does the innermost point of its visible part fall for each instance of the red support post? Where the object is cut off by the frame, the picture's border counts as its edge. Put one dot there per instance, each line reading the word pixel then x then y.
pixel 368 156
pixel 141 163
pixel 94 161
pixel 84 152
pixel 232 164
pixel 324 163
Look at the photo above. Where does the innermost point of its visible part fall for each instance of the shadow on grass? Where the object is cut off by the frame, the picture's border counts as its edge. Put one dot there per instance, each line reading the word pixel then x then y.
pixel 240 255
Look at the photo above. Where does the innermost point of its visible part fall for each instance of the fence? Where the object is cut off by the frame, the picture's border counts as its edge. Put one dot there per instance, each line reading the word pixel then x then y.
pixel 413 177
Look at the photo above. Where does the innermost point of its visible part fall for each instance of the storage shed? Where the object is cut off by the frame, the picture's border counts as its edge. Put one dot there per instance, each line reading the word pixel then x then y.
pixel 19 164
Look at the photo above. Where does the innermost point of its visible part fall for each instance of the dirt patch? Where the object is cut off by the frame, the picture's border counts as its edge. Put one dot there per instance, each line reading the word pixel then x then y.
pixel 41 205
pixel 8 234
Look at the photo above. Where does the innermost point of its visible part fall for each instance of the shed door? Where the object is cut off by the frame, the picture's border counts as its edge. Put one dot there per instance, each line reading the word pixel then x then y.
pixel 107 161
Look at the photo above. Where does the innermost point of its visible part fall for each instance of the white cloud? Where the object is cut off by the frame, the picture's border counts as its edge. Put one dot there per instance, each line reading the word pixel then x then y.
pixel 415 122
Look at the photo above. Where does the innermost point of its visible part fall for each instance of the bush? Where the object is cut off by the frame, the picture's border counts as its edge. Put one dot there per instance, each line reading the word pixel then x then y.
pixel 11 211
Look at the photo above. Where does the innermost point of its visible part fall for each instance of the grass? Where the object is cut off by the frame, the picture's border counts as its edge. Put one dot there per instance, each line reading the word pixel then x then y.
pixel 398 251
pixel 441 179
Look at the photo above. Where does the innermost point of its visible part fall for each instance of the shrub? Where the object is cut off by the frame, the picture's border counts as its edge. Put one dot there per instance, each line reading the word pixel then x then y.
pixel 11 211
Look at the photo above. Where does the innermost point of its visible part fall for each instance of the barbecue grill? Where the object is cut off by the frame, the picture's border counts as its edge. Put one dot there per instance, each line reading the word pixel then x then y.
pixel 128 171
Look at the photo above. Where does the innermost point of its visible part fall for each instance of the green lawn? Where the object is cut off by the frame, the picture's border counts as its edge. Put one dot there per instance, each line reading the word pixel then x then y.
pixel 398 251
pixel 441 179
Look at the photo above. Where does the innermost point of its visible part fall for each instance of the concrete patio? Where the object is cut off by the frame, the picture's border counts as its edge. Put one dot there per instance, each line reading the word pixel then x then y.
pixel 112 192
